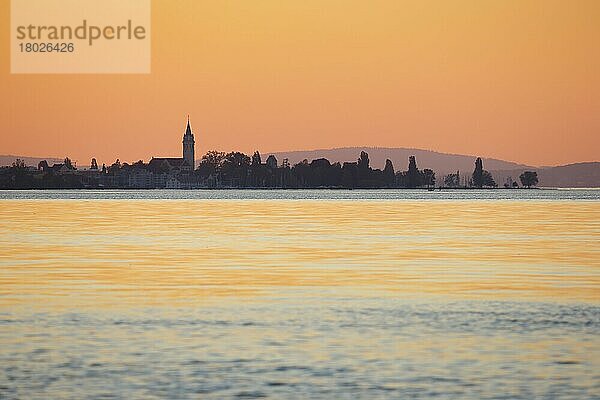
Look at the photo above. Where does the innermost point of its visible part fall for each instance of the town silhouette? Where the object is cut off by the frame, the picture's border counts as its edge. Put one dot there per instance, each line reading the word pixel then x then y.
pixel 220 170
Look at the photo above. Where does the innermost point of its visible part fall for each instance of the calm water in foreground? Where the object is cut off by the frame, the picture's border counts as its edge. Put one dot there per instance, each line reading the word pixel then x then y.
pixel 300 294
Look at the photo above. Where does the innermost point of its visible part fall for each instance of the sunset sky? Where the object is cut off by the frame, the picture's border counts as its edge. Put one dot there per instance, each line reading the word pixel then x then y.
pixel 517 80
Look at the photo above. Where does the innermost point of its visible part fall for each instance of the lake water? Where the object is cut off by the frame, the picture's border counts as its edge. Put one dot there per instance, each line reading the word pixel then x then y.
pixel 300 294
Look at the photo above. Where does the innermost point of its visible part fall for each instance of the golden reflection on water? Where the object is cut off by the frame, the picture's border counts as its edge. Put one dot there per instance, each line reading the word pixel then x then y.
pixel 62 253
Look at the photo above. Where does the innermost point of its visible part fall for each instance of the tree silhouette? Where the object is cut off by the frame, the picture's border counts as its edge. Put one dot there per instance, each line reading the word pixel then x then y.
pixel 271 162
pixel 413 177
pixel 20 178
pixel 529 179
pixel 428 177
pixel 363 169
pixel 481 177
pixel 43 165
pixel 235 159
pixel 350 175
pixel 363 161
pixel 256 160
pixel 114 168
pixel 259 172
pixel 452 180
pixel 301 171
pixel 487 179
pixel 318 173
pixel 478 173
pixel 68 163
pixel 389 176
pixel 213 159
pixel 210 164
pixel 235 169
pixel 18 164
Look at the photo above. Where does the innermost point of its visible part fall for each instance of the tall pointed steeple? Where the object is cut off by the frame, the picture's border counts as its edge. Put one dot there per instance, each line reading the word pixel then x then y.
pixel 188 130
pixel 188 146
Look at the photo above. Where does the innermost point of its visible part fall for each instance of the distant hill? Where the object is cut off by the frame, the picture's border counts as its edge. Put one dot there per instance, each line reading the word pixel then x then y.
pixel 29 161
pixel 586 174
pixel 442 163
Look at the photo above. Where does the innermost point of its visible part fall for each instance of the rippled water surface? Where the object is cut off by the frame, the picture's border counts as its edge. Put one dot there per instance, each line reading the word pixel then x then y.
pixel 300 294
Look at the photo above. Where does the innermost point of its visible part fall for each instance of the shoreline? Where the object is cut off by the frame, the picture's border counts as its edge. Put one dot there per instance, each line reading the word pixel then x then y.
pixel 437 189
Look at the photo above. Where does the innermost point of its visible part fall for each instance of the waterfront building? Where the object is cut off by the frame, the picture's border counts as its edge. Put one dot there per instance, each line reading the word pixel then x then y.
pixel 186 163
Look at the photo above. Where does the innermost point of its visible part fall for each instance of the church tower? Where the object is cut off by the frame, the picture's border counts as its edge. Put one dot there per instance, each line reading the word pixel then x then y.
pixel 188 146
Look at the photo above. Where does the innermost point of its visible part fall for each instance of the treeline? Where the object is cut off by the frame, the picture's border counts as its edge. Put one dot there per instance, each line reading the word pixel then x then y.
pixel 238 170
pixel 21 176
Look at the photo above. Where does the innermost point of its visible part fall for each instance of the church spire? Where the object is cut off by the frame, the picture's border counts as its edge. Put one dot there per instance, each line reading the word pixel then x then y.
pixel 188 146
pixel 188 129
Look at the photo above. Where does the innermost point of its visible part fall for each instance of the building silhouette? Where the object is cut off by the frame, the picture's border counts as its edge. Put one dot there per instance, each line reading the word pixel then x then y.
pixel 188 146
pixel 187 163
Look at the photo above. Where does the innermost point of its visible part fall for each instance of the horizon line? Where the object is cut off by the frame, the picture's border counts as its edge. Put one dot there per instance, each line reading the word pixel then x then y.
pixel 345 148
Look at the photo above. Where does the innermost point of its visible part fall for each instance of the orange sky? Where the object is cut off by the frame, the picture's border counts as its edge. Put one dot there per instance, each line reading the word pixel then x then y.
pixel 517 80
